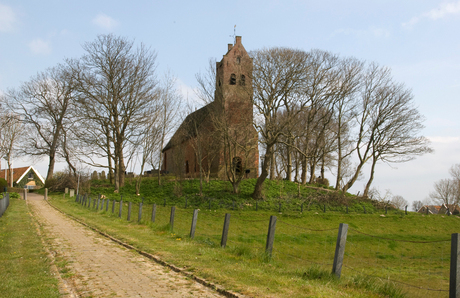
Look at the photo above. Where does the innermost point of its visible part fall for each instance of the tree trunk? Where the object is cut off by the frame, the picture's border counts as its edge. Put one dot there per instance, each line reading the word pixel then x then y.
pixel 10 172
pixel 272 165
pixel 50 173
pixel 289 164
pixel 371 178
pixel 304 170
pixel 257 194
pixel 312 171
pixel 353 179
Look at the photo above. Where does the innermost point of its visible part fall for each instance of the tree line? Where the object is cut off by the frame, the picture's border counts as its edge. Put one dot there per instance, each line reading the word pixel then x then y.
pixel 313 112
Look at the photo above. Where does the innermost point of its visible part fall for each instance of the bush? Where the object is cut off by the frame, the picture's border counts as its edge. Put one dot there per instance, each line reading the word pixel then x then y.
pixel 322 181
pixel 14 195
pixel 61 181
pixel 3 184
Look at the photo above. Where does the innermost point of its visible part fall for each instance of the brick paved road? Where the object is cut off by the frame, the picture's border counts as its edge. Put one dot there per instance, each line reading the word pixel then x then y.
pixel 105 269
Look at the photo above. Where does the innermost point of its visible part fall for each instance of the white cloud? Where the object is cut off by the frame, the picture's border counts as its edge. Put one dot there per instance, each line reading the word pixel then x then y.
pixel 104 21
pixel 7 18
pixel 440 12
pixel 40 47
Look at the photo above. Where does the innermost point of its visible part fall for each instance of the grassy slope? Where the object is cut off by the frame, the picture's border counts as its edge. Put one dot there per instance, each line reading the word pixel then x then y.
pixel 299 249
pixel 24 266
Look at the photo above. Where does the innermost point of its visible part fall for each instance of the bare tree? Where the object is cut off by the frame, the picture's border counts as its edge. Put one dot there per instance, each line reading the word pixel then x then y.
pixel 416 205
pixel 399 202
pixel 388 124
pixel 116 89
pixel 11 132
pixel 43 104
pixel 278 77
pixel 169 106
pixel 445 192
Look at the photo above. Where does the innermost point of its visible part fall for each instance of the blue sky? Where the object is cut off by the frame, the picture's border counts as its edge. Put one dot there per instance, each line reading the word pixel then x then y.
pixel 418 40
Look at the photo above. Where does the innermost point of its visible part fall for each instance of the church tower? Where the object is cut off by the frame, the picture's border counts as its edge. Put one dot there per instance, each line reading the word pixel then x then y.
pixel 234 84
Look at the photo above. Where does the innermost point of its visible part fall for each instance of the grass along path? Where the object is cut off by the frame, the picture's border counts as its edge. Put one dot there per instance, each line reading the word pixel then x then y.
pixel 24 264
pixel 303 251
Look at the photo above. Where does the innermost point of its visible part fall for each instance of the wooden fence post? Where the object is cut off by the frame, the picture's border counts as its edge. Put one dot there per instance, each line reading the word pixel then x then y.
pixel 223 241
pixel 340 250
pixel 102 205
pixel 154 212
pixel 139 216
pixel 130 204
pixel 46 193
pixel 120 207
pixel 270 235
pixel 454 282
pixel 171 218
pixel 94 203
pixel 107 205
pixel 406 209
pixel 89 202
pixel 194 219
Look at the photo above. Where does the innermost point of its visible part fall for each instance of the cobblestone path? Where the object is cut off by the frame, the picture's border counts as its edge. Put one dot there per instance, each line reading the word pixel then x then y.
pixel 104 269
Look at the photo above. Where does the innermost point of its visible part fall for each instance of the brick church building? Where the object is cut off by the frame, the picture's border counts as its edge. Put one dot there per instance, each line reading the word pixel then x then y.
pixel 219 138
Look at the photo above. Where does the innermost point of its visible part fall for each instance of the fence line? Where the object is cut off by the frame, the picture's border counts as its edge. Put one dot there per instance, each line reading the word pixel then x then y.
pixel 237 224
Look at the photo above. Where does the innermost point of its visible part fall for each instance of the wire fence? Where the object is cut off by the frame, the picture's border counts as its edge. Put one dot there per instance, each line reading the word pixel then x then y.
pixel 419 264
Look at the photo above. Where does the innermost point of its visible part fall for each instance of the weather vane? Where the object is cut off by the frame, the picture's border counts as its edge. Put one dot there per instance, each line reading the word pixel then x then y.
pixel 234 34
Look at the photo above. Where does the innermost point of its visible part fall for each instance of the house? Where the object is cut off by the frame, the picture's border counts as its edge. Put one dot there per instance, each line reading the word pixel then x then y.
pixel 443 209
pixel 219 138
pixel 24 177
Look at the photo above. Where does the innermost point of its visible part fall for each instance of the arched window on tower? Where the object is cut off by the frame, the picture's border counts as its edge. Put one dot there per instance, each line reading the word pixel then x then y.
pixel 242 80
pixel 232 79
pixel 237 165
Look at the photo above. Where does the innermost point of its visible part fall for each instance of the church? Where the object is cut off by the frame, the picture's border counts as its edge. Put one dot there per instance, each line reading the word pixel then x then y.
pixel 219 139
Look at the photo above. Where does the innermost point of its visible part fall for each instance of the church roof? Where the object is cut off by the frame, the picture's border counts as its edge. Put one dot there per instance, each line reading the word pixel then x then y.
pixel 190 125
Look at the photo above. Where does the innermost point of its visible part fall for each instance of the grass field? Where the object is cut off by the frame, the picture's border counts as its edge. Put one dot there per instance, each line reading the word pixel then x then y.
pixel 391 255
pixel 24 266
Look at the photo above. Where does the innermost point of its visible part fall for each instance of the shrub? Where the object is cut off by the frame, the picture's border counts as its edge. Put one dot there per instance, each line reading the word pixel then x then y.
pixel 3 184
pixel 61 181
pixel 14 195
pixel 322 181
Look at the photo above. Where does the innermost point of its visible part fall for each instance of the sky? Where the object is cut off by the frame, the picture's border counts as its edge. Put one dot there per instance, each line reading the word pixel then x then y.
pixel 417 39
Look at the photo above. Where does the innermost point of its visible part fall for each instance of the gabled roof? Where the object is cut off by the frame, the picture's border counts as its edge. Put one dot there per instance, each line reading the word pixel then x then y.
pixel 189 127
pixel 431 209
pixel 19 173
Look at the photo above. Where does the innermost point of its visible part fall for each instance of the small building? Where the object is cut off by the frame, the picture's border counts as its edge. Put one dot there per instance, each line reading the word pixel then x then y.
pixel 24 177
pixel 443 209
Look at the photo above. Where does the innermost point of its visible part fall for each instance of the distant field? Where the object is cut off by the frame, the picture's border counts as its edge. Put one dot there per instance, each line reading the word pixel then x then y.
pixel 383 253
pixel 24 265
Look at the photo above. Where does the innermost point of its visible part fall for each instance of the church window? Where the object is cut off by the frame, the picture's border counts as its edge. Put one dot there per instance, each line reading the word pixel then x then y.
pixel 242 80
pixel 238 60
pixel 237 165
pixel 232 79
